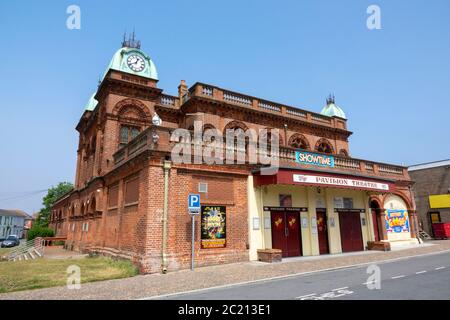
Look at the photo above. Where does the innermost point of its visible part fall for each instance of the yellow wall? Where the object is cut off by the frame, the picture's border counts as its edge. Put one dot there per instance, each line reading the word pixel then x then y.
pixel 440 201
pixel 304 197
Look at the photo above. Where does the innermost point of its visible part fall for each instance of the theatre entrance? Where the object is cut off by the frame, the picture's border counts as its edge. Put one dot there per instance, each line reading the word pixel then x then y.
pixel 351 233
pixel 322 231
pixel 286 232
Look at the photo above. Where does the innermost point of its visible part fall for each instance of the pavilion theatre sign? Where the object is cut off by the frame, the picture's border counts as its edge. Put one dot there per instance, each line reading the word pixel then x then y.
pixel 314 159
pixel 339 182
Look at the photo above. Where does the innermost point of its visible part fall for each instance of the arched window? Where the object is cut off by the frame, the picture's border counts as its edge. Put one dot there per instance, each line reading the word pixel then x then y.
pixel 298 141
pixel 128 133
pixel 324 146
pixel 271 138
pixel 343 153
pixel 239 130
pixel 82 210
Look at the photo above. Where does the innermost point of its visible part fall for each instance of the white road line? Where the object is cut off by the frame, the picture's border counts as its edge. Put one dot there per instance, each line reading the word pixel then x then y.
pixel 369 282
pixel 398 277
pixel 420 272
pixel 307 295
pixel 343 288
pixel 439 268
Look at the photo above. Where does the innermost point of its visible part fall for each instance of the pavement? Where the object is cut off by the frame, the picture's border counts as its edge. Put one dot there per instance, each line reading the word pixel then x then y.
pixel 231 276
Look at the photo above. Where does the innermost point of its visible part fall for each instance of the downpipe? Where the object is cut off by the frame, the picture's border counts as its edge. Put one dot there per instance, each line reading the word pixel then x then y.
pixel 166 167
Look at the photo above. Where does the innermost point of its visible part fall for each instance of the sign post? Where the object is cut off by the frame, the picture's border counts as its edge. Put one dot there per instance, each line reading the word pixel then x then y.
pixel 193 209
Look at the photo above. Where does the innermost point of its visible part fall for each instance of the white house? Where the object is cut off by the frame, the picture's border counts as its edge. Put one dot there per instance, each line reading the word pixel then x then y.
pixel 12 222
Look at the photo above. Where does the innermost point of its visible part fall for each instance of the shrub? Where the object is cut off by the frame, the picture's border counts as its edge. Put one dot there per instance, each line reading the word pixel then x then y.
pixel 40 231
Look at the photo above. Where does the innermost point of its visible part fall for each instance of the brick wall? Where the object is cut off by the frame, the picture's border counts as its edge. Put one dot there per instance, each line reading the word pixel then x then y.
pixel 428 182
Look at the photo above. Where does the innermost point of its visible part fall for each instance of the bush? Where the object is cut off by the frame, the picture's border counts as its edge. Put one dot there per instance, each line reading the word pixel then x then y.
pixel 39 231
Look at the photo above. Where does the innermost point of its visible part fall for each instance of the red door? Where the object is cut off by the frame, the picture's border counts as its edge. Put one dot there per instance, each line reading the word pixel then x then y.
pixel 376 229
pixel 286 234
pixel 322 232
pixel 351 234
pixel 293 234
pixel 279 231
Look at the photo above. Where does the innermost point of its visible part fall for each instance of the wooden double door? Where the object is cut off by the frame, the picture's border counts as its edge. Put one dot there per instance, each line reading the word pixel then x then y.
pixel 286 233
pixel 351 233
pixel 322 231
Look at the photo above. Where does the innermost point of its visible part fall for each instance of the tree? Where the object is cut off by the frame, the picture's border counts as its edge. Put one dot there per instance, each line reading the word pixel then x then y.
pixel 53 194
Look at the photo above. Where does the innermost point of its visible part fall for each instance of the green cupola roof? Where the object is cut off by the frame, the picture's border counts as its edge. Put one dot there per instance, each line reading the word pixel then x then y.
pixel 131 59
pixel 332 110
pixel 92 103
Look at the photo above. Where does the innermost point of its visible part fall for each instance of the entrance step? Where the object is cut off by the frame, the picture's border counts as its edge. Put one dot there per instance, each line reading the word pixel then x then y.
pixel 424 235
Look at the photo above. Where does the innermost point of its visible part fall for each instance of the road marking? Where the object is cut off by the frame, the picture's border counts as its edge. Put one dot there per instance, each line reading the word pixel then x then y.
pixel 244 283
pixel 369 282
pixel 398 277
pixel 343 288
pixel 307 295
pixel 439 268
pixel 420 272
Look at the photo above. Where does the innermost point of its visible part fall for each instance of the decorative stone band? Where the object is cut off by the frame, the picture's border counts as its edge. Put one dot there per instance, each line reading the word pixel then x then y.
pixel 340 182
pixel 301 209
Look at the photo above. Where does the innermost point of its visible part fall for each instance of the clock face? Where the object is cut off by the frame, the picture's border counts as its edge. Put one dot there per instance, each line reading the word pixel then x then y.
pixel 136 63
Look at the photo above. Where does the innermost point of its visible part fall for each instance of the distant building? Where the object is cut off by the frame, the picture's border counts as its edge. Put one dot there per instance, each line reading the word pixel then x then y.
pixel 29 222
pixel 432 192
pixel 12 222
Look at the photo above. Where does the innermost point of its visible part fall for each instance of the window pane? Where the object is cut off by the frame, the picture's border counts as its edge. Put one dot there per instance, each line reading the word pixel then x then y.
pixel 134 132
pixel 124 134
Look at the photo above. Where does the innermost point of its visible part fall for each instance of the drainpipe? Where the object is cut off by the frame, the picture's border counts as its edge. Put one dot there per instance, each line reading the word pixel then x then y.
pixel 166 167
pixel 416 218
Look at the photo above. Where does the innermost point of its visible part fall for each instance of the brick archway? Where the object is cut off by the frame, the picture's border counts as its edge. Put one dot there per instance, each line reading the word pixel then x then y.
pixel 299 141
pixel 127 106
pixel 324 146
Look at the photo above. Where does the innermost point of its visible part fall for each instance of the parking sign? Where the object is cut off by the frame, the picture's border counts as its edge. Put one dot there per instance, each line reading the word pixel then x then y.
pixel 194 204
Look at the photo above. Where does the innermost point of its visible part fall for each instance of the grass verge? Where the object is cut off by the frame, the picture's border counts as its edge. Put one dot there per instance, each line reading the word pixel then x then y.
pixel 44 273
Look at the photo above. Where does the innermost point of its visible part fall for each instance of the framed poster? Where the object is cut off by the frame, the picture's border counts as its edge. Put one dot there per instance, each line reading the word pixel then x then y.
pixel 285 200
pixel 213 227
pixel 397 221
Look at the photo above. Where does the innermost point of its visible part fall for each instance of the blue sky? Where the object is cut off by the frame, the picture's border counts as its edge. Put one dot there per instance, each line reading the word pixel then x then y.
pixel 393 83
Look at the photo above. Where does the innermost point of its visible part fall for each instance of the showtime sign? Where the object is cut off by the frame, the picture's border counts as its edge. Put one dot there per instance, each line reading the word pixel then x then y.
pixel 340 182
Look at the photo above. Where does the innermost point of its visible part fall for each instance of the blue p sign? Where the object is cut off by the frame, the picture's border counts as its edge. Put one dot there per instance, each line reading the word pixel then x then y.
pixel 194 202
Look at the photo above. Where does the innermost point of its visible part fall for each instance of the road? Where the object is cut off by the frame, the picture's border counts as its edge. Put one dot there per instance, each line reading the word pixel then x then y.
pixel 422 277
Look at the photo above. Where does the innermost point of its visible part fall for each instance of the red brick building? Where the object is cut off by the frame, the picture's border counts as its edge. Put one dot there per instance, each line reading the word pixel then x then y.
pixel 130 197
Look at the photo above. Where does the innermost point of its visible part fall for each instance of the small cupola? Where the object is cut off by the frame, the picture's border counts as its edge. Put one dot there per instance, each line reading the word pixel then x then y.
pixel 332 110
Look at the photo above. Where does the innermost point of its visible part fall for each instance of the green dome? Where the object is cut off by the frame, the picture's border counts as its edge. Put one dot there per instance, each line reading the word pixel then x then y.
pixel 120 62
pixel 92 103
pixel 332 110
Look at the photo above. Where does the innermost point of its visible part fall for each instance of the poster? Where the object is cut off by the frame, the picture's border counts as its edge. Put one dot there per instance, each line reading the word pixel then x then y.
pixel 285 200
pixel 397 221
pixel 213 227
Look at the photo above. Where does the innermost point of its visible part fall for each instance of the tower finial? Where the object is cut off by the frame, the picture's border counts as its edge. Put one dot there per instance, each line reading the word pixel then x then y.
pixel 330 99
pixel 131 42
